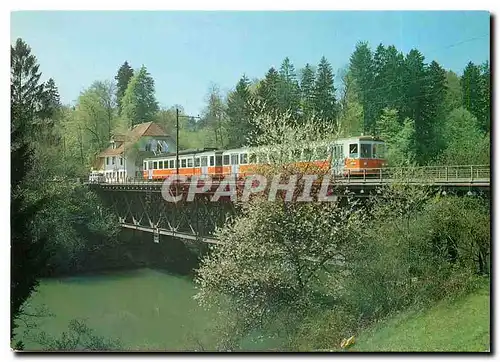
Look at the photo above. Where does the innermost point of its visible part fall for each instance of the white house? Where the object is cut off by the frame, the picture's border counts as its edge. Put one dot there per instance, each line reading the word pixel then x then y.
pixel 122 160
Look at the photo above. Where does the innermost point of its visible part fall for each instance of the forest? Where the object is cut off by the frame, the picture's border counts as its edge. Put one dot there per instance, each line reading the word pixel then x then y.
pixel 426 114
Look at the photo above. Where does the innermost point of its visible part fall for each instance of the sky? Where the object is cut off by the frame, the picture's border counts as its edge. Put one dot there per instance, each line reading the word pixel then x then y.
pixel 186 52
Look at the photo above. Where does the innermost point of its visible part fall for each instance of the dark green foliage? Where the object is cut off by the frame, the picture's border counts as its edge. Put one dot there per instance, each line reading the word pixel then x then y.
pixel 325 105
pixel 288 89
pixel 27 252
pixel 239 112
pixel 362 69
pixel 125 73
pixel 267 91
pixel 139 103
pixel 307 82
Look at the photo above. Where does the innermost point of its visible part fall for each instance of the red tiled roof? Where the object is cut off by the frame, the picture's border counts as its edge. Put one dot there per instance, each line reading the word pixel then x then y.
pixel 148 129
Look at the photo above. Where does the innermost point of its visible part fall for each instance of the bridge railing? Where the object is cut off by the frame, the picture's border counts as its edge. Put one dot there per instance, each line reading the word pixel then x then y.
pixel 421 174
pixel 434 174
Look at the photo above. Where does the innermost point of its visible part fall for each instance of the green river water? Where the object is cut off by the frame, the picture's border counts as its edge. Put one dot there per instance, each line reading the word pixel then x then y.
pixel 145 309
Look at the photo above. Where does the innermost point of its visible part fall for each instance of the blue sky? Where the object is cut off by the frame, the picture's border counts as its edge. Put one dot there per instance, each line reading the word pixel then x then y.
pixel 186 51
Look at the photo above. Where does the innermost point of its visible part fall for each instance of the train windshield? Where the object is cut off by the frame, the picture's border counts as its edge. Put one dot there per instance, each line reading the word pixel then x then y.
pixel 366 150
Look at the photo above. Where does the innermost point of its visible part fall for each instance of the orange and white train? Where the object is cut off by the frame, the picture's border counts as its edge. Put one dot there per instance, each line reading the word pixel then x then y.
pixel 363 155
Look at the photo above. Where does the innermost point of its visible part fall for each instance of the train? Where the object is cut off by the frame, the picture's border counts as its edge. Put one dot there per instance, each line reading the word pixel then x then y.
pixel 347 157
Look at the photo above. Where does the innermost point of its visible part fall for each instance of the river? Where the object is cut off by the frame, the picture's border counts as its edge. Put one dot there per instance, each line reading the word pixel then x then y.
pixel 145 309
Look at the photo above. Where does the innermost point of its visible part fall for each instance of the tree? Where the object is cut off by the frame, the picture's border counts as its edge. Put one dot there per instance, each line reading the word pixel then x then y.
pixel 400 139
pixel 429 131
pixel 351 110
pixel 324 93
pixel 453 96
pixel 139 104
pixel 125 73
pixel 464 141
pixel 215 115
pixel 307 82
pixel 239 112
pixel 27 252
pixel 485 98
pixel 288 89
pixel 471 84
pixel 267 91
pixel 361 68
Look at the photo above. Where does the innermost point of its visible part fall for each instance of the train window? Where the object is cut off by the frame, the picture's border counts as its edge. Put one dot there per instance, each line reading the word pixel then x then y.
pixel 121 161
pixel 160 165
pixel 155 165
pixel 190 162
pixel 150 165
pixel 234 159
pixel 113 160
pixel 212 160
pixel 171 164
pixel 107 160
pixel 196 162
pixel 218 160
pixel 366 150
pixel 243 158
pixel 204 161
pixel 145 165
pixel 353 150
pixel 226 160
pixel 183 162
pixel 253 158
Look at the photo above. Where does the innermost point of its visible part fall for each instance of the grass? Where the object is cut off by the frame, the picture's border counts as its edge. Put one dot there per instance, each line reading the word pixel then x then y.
pixel 462 325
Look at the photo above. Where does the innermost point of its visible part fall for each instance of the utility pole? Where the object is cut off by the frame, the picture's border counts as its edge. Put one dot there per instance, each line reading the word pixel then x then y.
pixel 177 143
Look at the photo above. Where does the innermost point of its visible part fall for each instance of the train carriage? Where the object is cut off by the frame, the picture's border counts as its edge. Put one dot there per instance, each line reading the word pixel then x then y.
pixel 355 156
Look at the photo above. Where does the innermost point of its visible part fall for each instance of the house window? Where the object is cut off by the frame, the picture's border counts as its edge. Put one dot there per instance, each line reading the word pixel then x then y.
pixel 121 161
pixel 107 160
pixel 113 160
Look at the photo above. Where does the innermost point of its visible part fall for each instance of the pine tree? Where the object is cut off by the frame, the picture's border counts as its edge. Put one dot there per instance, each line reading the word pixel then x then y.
pixel 28 255
pixel 361 68
pixel 471 89
pixel 267 91
pixel 430 143
pixel 485 98
pixel 324 93
pixel 288 89
pixel 307 81
pixel 239 112
pixel 453 97
pixel 139 103
pixel 125 73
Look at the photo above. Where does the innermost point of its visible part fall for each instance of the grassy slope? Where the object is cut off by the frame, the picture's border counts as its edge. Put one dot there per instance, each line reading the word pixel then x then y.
pixel 461 325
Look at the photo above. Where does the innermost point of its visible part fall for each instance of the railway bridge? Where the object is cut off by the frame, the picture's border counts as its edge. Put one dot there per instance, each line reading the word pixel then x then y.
pixel 140 205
